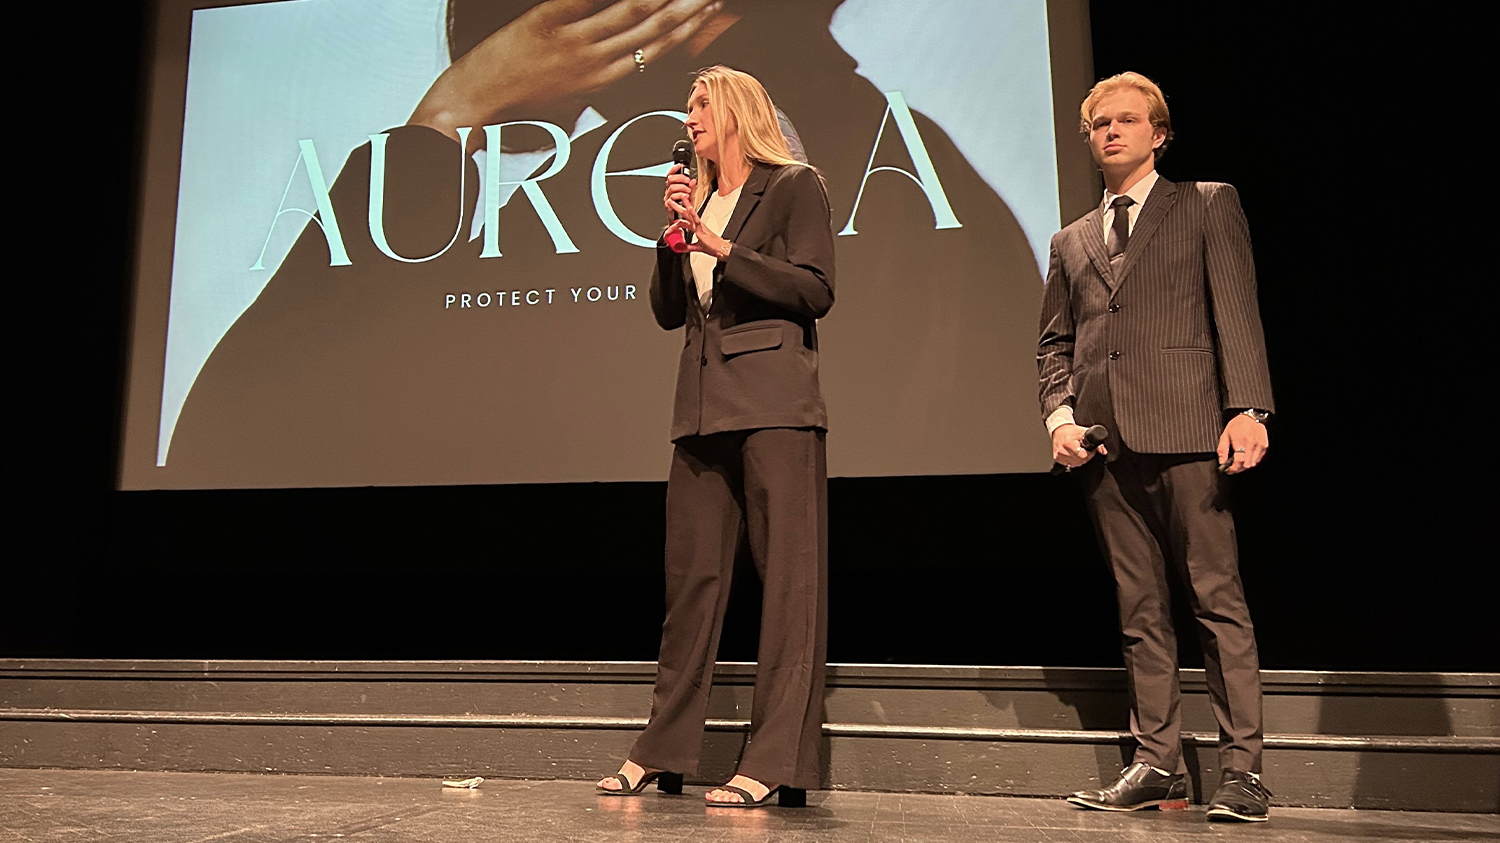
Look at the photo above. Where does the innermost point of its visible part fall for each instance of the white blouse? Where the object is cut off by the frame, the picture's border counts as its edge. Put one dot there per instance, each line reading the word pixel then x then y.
pixel 715 216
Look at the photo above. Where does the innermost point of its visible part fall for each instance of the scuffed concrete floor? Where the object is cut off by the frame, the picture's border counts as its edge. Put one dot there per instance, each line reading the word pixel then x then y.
pixel 85 806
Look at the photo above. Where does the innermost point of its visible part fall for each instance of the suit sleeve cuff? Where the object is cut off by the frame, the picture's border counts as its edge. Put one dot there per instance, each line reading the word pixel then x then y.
pixel 1061 416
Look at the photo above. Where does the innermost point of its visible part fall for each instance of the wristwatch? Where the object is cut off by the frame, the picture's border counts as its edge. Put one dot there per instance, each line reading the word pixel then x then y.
pixel 1258 415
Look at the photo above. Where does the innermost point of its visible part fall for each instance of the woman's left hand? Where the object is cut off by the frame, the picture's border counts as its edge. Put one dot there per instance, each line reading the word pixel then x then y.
pixel 700 238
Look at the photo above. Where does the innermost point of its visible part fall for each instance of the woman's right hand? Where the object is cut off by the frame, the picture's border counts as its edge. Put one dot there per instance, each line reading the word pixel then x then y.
pixel 552 56
pixel 678 198
pixel 679 203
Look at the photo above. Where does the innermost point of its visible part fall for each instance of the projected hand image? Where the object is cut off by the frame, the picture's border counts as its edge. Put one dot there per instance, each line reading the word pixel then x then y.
pixel 545 63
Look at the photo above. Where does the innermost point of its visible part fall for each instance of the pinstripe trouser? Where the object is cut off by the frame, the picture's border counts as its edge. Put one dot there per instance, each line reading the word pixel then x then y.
pixel 1155 512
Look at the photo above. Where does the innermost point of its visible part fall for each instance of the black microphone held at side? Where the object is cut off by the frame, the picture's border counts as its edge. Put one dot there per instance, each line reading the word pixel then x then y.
pixel 1090 441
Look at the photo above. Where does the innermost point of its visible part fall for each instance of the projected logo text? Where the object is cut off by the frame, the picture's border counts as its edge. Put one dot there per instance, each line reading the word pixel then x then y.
pixel 532 298
pixel 896 111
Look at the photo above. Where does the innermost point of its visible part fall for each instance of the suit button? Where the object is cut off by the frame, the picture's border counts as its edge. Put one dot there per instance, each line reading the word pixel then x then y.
pixel 1114 308
pixel 1114 355
pixel 703 362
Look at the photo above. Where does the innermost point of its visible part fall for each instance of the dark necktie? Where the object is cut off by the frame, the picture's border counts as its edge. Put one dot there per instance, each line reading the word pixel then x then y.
pixel 1119 230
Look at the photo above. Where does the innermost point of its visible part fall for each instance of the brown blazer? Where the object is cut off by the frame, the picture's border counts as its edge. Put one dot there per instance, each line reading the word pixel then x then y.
pixel 751 361
pixel 1158 350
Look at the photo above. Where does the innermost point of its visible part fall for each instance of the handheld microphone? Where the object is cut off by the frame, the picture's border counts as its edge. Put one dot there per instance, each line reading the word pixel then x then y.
pixel 1094 437
pixel 682 153
pixel 1090 441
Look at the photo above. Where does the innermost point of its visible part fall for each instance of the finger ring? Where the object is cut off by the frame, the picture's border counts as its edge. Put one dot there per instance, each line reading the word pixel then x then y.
pixel 1239 450
pixel 640 61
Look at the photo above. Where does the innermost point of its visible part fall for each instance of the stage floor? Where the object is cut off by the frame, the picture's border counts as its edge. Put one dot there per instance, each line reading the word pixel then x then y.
pixel 86 806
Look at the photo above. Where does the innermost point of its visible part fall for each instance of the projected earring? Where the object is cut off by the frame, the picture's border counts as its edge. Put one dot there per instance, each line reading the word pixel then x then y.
pixel 640 61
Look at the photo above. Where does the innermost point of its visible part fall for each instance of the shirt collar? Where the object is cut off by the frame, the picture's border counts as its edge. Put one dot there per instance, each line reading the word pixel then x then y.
pixel 1138 192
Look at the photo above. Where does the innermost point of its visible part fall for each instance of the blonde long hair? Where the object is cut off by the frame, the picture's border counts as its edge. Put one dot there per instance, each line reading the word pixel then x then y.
pixel 737 98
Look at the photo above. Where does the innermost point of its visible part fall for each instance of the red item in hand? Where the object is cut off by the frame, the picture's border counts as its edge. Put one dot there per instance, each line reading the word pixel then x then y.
pixel 676 242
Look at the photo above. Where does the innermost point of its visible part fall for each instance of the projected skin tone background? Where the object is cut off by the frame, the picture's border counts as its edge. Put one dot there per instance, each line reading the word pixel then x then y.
pixel 355 300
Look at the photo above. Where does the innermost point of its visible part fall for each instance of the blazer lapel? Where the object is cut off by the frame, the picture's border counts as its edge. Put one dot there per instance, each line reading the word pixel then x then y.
pixel 755 187
pixel 750 193
pixel 1093 246
pixel 1158 203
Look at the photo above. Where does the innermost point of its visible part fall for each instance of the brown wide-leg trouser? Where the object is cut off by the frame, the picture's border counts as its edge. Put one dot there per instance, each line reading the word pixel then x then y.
pixel 1159 511
pixel 771 485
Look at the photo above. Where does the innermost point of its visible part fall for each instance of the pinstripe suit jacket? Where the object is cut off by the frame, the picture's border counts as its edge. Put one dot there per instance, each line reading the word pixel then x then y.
pixel 1159 347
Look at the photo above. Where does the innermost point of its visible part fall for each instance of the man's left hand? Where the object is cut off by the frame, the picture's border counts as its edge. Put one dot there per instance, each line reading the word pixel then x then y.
pixel 1245 441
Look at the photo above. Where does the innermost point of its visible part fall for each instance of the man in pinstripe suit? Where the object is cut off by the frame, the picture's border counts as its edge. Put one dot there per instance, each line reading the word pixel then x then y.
pixel 1150 327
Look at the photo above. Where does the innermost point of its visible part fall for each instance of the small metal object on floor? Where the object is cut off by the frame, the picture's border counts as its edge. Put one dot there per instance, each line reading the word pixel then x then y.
pixel 98 806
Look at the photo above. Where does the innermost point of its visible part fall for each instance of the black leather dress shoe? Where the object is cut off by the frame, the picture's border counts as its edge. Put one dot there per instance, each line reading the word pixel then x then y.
pixel 1139 786
pixel 1240 798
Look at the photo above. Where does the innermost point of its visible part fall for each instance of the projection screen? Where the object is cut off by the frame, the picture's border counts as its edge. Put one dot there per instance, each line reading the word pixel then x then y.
pixel 329 295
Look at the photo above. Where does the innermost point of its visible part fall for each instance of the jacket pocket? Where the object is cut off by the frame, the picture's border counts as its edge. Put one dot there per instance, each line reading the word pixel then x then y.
pixel 751 336
pixel 1187 351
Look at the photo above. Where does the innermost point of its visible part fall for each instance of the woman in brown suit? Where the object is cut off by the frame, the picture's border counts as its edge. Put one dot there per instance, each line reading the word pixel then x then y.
pixel 748 427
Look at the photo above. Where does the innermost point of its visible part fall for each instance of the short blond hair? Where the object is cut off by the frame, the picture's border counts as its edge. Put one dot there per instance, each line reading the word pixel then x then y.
pixel 1156 104
pixel 737 97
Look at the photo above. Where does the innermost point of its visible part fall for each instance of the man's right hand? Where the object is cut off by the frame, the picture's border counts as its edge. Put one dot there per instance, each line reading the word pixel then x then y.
pixel 1067 446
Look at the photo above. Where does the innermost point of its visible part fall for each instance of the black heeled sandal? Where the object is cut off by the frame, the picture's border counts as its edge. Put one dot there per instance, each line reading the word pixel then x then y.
pixel 786 797
pixel 665 782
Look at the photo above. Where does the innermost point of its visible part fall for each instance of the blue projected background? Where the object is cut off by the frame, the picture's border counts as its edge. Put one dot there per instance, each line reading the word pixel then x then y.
pixel 270 83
